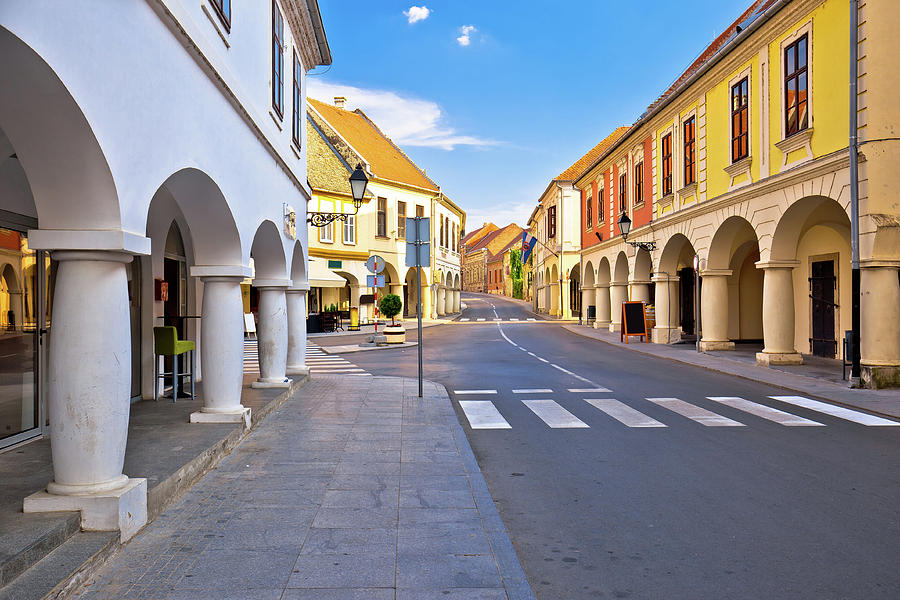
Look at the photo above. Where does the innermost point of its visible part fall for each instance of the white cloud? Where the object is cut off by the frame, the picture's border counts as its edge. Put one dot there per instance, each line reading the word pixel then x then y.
pixel 416 14
pixel 466 31
pixel 406 120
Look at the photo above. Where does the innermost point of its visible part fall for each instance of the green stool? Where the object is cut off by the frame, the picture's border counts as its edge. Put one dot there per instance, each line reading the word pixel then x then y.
pixel 166 343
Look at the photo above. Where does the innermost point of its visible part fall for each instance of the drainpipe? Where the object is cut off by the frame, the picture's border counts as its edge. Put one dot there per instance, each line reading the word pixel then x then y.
pixel 854 197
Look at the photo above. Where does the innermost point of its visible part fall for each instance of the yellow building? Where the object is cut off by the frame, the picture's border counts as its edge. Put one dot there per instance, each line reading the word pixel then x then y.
pixel 338 140
pixel 744 163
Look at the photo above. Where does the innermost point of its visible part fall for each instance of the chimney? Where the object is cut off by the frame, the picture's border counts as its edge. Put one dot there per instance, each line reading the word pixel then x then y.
pixel 339 101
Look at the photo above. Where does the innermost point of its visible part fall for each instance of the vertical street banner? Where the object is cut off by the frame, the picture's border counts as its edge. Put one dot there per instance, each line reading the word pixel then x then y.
pixel 528 244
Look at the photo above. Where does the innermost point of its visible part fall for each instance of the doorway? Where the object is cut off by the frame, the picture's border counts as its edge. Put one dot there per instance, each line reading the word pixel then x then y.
pixel 822 286
pixel 22 285
pixel 686 285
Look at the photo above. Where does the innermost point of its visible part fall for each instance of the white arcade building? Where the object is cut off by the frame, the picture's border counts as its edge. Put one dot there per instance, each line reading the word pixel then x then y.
pixel 144 143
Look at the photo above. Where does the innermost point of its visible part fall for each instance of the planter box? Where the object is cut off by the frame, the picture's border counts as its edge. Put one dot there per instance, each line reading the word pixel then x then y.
pixel 395 335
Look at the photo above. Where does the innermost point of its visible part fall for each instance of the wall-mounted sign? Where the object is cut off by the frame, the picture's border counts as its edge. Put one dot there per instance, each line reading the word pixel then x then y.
pixel 335 264
pixel 290 222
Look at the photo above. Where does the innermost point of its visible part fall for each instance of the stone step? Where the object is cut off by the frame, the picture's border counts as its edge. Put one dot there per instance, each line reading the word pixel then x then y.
pixel 24 549
pixel 63 569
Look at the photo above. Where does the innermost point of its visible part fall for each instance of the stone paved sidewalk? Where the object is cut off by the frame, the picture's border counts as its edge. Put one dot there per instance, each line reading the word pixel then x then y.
pixel 354 488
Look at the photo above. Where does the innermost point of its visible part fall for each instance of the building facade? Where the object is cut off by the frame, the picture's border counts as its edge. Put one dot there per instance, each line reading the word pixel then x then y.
pixel 473 263
pixel 116 236
pixel 741 170
pixel 399 189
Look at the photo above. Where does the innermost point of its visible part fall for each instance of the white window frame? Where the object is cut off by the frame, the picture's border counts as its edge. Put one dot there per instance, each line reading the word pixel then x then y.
pixel 349 226
pixel 326 234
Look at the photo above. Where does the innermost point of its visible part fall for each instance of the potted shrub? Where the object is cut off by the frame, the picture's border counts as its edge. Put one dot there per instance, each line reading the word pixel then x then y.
pixel 390 306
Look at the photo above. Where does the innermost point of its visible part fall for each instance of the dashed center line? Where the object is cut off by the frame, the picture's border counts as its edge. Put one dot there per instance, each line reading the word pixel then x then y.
pixel 464 392
pixel 533 391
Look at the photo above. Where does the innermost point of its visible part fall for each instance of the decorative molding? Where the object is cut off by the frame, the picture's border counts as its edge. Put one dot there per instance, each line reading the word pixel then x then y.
pixel 800 140
pixel 736 169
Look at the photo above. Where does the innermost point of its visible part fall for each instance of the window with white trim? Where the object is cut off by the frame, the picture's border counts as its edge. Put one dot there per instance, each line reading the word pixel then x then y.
pixel 350 230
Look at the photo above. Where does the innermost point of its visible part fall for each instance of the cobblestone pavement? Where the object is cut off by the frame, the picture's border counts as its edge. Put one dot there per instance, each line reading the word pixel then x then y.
pixel 354 488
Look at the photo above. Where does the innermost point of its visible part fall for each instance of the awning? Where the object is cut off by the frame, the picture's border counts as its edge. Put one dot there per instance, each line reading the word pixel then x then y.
pixel 322 276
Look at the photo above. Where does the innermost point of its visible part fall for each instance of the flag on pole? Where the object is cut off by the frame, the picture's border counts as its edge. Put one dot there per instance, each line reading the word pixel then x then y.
pixel 528 243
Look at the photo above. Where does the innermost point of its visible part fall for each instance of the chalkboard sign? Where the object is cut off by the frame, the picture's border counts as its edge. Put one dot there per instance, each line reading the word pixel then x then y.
pixel 634 320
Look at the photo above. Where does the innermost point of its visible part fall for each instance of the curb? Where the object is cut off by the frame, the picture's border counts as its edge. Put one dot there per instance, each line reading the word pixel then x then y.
pixel 507 561
pixel 722 370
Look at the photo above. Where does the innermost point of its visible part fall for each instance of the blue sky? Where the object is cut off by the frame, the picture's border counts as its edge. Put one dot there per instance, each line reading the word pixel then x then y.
pixel 494 112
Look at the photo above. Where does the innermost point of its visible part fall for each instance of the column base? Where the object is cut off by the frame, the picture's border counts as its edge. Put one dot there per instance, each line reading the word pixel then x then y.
pixel 665 335
pixel 614 327
pixel 297 370
pixel 778 358
pixel 262 384
pixel 601 324
pixel 239 415
pixel 710 345
pixel 123 509
pixel 880 376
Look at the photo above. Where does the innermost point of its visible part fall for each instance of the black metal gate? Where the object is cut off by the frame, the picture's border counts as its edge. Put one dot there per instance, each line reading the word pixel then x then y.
pixel 821 292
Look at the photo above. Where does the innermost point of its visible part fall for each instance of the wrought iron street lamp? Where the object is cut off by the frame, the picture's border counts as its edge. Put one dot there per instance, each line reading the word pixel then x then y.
pixel 358 183
pixel 625 227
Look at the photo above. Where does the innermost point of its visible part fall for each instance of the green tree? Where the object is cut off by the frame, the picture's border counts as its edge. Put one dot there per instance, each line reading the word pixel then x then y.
pixel 515 272
pixel 390 306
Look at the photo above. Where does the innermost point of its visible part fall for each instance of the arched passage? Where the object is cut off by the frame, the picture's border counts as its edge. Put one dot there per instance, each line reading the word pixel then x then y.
pixel 588 294
pixel 555 291
pixel 732 307
pixel 676 264
pixel 640 277
pixel 575 291
pixel 807 279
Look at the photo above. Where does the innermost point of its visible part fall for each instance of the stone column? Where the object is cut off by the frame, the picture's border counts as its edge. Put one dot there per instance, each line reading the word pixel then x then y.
pixel 272 334
pixel 296 315
pixel 426 298
pixel 221 346
pixel 456 301
pixel 778 314
pixel 879 323
pixel 640 290
pixel 714 310
pixel 441 304
pixel 601 294
pixel 587 300
pixel 666 330
pixel 89 390
pixel 618 293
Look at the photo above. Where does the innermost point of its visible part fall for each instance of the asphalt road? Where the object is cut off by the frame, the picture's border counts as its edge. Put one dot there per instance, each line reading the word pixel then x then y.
pixel 751 509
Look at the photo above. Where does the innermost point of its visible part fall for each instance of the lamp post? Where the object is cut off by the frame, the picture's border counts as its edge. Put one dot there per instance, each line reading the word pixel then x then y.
pixel 358 183
pixel 625 227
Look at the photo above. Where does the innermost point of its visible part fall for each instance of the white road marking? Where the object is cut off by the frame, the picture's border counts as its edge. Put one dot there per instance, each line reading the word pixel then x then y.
pixel 623 413
pixel 522 349
pixel 482 414
pixel 554 415
pixel 465 319
pixel 511 319
pixel 544 360
pixel 464 392
pixel 566 371
pixel 534 391
pixel 337 371
pixel 532 319
pixel 596 390
pixel 766 412
pixel 481 319
pixel 695 413
pixel 838 411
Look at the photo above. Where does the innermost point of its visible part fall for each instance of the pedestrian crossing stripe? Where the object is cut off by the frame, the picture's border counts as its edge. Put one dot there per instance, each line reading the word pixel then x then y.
pixel 319 362
pixel 623 413
pixel 705 417
pixel 482 414
pixel 554 415
pixel 766 412
pixel 837 411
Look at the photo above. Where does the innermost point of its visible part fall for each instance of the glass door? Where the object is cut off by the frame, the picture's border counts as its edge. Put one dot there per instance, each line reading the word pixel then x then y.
pixel 21 297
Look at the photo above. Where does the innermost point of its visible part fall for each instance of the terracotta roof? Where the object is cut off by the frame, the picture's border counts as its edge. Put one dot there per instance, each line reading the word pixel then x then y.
pixel 480 232
pixel 757 8
pixel 515 242
pixel 486 240
pixel 386 160
pixel 584 163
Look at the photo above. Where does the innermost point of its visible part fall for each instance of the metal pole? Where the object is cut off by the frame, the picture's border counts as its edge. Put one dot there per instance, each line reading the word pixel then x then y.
pixel 854 199
pixel 419 295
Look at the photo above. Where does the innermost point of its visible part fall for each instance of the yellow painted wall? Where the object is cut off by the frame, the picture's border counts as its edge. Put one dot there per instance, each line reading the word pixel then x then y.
pixel 829 85
pixel 718 129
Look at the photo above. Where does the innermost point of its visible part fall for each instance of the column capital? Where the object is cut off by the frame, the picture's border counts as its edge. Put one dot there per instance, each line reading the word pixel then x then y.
pixel 663 278
pixel 778 264
pixel 640 281
pixel 70 239
pixel 879 263
pixel 618 283
pixel 271 283
pixel 716 272
pixel 296 290
pixel 601 286
pixel 205 271
pixel 116 256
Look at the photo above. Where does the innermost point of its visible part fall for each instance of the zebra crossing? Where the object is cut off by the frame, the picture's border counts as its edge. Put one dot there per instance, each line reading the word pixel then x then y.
pixel 498 320
pixel 484 414
pixel 317 360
